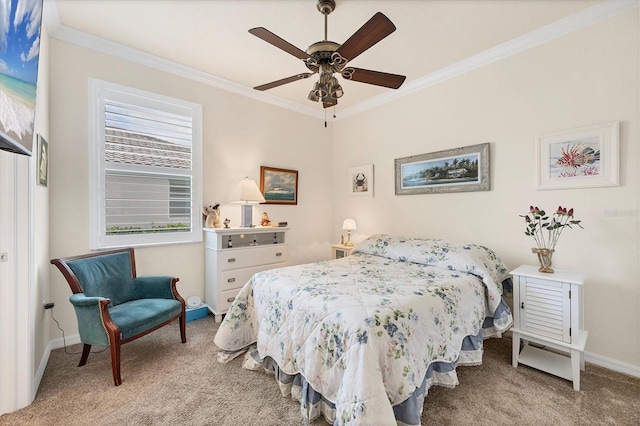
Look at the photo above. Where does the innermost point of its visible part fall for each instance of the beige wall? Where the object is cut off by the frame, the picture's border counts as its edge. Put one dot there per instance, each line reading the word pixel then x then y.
pixel 239 135
pixel 584 78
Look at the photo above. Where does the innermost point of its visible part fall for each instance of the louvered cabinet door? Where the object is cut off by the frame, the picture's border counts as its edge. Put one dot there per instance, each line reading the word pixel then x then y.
pixel 545 308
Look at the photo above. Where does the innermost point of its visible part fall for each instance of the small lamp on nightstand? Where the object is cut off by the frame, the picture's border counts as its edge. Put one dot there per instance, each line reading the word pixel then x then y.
pixel 247 193
pixel 349 225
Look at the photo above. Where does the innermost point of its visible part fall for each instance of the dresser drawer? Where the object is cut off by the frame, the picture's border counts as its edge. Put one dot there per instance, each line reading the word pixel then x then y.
pixel 226 299
pixel 236 278
pixel 261 255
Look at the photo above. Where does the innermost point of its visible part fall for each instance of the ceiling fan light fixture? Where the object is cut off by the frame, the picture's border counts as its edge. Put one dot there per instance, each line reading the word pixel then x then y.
pixel 313 97
pixel 320 90
pixel 336 91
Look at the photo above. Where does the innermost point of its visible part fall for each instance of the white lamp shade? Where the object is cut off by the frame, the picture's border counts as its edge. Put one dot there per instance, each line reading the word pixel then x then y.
pixel 247 192
pixel 349 224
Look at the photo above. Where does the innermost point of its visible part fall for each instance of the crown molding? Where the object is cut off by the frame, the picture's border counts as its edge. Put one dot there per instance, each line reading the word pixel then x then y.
pixel 542 35
pixel 545 34
pixel 89 41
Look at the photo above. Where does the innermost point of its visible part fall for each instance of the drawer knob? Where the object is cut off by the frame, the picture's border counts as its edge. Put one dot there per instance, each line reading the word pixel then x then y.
pixel 278 254
pixel 231 280
pixel 231 260
pixel 231 299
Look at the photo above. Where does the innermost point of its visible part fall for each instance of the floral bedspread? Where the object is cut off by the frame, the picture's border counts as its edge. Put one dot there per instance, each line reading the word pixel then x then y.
pixel 363 329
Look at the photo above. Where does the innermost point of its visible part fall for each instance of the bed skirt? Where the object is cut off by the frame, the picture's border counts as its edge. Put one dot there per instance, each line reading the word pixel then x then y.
pixel 408 412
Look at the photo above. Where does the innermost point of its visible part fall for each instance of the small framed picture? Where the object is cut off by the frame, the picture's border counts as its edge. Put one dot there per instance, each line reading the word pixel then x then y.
pixel 279 186
pixel 42 168
pixel 583 157
pixel 360 181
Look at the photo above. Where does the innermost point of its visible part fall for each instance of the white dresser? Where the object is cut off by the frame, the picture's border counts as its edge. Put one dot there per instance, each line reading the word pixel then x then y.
pixel 233 255
pixel 548 311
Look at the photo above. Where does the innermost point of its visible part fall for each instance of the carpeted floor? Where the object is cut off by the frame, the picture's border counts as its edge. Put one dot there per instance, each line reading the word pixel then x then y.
pixel 169 383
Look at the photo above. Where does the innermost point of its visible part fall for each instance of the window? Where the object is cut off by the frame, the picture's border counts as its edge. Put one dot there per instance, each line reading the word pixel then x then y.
pixel 146 180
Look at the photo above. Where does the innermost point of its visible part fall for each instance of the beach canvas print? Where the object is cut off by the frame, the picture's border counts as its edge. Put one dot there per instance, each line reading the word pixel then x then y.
pixel 19 54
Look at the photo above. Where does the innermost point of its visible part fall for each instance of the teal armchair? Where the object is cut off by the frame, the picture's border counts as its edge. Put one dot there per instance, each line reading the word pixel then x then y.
pixel 114 306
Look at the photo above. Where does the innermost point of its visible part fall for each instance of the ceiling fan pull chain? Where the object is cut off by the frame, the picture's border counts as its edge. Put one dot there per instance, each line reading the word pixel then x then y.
pixel 325 117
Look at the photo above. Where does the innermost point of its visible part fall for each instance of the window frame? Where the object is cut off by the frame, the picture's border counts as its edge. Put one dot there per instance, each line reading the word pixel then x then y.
pixel 100 90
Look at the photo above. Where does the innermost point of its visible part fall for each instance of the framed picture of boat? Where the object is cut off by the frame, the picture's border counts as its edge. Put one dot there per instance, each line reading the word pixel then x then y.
pixel 279 186
pixel 454 170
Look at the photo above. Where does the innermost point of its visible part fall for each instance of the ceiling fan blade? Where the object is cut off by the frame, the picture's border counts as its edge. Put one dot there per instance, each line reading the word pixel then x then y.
pixel 284 81
pixel 278 42
pixel 374 30
pixel 392 81
pixel 330 104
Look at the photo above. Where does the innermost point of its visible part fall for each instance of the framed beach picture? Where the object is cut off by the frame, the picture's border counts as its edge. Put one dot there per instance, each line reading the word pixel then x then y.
pixel 454 170
pixel 279 186
pixel 360 181
pixel 42 169
pixel 583 157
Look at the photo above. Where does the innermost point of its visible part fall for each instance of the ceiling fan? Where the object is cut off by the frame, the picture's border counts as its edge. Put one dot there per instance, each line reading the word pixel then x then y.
pixel 328 58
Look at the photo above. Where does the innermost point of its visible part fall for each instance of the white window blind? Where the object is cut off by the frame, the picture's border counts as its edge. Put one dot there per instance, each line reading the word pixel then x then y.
pixel 146 151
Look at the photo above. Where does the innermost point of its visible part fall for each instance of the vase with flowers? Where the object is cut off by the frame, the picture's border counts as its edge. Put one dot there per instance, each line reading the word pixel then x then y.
pixel 546 231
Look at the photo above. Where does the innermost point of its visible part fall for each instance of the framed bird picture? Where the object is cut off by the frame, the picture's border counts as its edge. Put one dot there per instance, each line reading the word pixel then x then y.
pixel 584 157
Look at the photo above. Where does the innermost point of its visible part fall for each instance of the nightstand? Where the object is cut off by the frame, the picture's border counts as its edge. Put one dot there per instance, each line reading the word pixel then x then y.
pixel 338 251
pixel 548 310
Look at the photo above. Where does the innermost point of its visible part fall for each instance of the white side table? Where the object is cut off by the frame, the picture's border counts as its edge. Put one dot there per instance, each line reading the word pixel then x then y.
pixel 338 251
pixel 548 310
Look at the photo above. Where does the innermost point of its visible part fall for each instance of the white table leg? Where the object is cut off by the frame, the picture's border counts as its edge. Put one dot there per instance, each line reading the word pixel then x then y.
pixel 515 349
pixel 576 362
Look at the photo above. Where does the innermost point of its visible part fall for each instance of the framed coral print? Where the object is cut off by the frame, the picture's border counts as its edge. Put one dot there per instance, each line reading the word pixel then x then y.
pixel 454 170
pixel 279 186
pixel 42 169
pixel 360 181
pixel 583 157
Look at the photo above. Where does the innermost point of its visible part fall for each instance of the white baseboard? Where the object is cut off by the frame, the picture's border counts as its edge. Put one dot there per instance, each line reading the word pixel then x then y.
pixel 53 344
pixel 612 364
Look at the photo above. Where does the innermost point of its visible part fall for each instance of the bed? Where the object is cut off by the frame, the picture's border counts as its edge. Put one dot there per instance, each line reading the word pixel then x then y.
pixel 361 339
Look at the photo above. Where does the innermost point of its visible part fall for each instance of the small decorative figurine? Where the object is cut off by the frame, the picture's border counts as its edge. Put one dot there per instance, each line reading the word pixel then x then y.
pixel 265 220
pixel 213 216
pixel 226 222
pixel 342 239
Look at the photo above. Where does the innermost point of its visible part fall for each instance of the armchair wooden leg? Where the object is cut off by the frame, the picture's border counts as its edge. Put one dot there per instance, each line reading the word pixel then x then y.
pixel 85 354
pixel 115 363
pixel 183 327
pixel 114 344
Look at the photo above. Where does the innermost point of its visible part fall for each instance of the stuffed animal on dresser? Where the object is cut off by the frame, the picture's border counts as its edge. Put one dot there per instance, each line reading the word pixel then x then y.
pixel 213 216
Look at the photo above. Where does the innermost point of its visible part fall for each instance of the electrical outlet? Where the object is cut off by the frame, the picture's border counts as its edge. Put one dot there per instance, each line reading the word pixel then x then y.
pixel 48 305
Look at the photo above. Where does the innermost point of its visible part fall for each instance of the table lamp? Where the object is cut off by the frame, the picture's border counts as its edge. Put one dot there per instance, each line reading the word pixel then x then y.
pixel 349 225
pixel 247 193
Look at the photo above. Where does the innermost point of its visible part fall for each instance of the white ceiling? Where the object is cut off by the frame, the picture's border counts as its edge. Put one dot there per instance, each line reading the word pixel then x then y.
pixel 212 36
